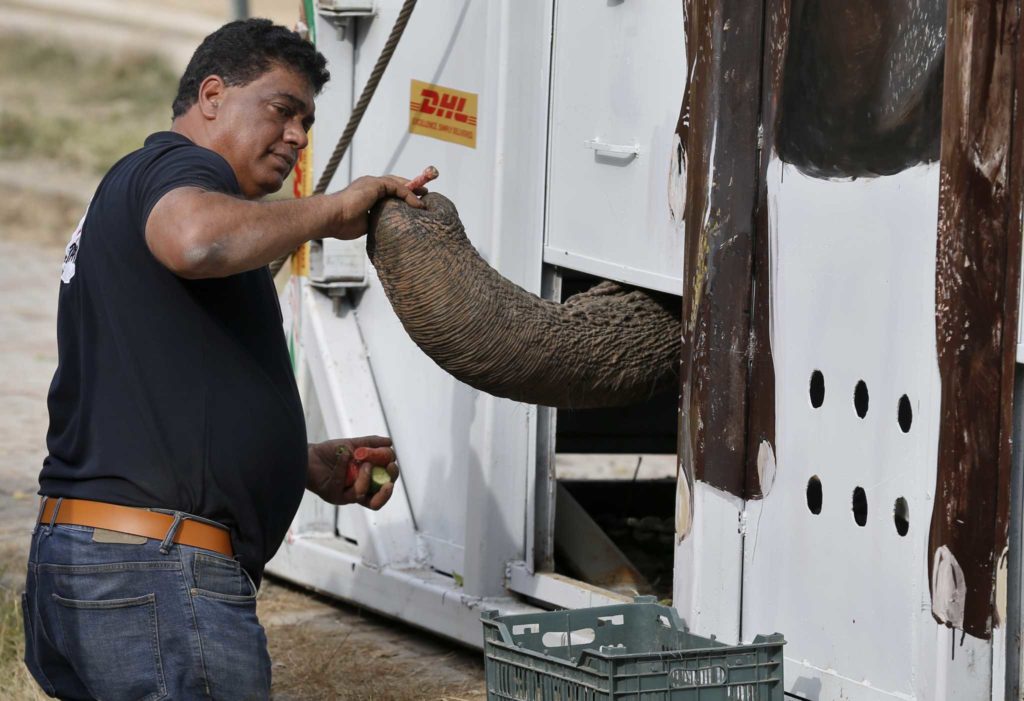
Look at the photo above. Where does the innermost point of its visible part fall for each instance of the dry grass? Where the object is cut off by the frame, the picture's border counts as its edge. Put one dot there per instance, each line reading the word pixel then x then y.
pixel 331 651
pixel 83 109
pixel 34 217
pixel 16 684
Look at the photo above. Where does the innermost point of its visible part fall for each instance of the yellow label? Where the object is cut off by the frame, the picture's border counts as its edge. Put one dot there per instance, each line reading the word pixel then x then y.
pixel 443 113
pixel 303 187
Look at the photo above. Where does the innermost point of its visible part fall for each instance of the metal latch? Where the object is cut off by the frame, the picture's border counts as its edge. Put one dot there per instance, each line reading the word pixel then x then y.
pixel 340 13
pixel 347 8
pixel 337 264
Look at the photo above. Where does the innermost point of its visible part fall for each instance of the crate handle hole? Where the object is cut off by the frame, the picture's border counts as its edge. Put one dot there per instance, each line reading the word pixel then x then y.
pixel 582 636
pixel 526 628
pixel 616 620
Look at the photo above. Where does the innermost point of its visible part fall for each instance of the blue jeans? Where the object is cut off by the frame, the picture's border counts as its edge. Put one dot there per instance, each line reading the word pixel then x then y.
pixel 126 621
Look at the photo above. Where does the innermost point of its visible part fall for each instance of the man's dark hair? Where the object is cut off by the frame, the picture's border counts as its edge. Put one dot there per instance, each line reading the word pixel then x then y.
pixel 242 51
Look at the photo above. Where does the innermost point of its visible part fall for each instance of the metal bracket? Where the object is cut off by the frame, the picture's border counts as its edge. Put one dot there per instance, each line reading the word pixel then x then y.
pixel 340 13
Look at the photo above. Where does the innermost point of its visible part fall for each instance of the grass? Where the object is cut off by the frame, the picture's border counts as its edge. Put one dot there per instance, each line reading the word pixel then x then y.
pixel 16 684
pixel 350 663
pixel 84 109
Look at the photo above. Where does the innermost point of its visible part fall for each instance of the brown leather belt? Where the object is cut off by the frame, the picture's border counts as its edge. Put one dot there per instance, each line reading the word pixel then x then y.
pixel 134 521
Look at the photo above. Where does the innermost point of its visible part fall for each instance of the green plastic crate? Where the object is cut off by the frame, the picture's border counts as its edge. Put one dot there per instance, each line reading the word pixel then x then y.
pixel 629 652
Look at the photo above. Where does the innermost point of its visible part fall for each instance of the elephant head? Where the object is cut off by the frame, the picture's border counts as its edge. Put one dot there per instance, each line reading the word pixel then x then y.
pixel 610 345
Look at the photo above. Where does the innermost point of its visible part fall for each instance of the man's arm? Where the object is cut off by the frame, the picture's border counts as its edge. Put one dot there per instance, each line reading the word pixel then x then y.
pixel 200 234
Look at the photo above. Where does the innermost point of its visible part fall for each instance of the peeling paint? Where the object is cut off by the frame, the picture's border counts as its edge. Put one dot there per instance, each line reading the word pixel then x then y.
pixel 976 284
pixel 1001 588
pixel 677 182
pixel 949 590
pixel 766 467
pixel 684 508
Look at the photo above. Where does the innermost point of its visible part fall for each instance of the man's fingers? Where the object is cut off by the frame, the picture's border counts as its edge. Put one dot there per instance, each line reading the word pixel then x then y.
pixel 381 497
pixel 361 486
pixel 409 196
pixel 404 189
pixel 378 456
pixel 372 441
pixel 392 469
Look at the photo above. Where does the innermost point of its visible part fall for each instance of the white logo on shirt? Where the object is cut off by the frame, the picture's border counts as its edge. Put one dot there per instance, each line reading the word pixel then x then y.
pixel 71 252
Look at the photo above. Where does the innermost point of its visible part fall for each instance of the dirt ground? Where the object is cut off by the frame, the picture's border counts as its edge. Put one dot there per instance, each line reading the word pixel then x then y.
pixel 322 649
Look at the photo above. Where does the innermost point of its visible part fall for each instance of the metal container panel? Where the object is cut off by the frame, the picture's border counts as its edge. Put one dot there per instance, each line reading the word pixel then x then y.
pixel 618 73
pixel 465 456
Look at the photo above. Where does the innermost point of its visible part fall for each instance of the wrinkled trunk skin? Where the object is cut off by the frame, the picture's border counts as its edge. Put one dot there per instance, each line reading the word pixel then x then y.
pixel 611 345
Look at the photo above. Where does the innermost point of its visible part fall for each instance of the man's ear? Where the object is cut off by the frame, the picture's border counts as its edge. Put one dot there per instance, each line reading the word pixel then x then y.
pixel 211 94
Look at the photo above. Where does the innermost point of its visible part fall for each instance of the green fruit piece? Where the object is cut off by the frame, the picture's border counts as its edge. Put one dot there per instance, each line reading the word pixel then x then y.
pixel 378 478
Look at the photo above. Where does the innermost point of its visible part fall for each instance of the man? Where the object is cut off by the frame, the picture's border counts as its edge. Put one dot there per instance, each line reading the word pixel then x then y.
pixel 177 445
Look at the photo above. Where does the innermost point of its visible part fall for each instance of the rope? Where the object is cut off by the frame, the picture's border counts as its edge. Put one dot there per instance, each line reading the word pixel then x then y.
pixel 360 109
pixel 364 99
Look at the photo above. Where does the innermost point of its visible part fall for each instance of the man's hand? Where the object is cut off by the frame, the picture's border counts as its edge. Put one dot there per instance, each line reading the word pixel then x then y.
pixel 363 193
pixel 327 474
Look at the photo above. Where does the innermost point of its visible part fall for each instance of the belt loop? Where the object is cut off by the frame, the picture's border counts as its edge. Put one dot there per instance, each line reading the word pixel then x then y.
pixel 53 516
pixel 168 541
pixel 39 516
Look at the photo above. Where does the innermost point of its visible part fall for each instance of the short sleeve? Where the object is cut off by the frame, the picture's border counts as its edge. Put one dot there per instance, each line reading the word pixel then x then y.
pixel 186 165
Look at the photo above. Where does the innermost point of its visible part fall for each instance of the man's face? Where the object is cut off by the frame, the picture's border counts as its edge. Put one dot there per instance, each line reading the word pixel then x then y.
pixel 261 127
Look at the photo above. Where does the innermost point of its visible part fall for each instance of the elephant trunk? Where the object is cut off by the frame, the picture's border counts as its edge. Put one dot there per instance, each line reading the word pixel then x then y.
pixel 608 346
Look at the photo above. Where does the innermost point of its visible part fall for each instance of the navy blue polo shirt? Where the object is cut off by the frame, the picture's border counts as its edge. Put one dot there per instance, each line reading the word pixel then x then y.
pixel 172 393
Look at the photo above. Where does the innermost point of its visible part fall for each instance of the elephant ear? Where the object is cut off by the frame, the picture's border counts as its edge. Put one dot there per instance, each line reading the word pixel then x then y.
pixel 608 346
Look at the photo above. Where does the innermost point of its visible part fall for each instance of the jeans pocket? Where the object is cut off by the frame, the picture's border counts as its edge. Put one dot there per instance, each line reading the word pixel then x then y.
pixel 113 645
pixel 234 645
pixel 220 578
pixel 30 647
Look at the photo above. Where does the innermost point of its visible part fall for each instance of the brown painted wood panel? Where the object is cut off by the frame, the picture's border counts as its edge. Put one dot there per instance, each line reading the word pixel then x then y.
pixel 718 127
pixel 977 268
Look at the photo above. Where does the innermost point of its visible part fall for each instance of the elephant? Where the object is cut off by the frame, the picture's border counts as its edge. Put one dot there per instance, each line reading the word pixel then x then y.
pixel 608 346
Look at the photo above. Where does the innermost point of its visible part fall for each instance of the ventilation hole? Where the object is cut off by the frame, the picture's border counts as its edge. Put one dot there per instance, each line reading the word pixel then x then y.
pixel 860 399
pixel 817 389
pixel 814 495
pixel 905 414
pixel 860 506
pixel 901 515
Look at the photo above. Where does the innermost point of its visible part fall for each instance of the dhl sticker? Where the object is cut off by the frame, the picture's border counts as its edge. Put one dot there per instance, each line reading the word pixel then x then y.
pixel 443 113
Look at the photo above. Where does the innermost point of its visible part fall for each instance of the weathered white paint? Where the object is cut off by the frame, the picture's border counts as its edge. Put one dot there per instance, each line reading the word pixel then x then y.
pixel 684 508
pixel 766 467
pixel 677 182
pixel 853 267
pixel 709 565
pixel 949 588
